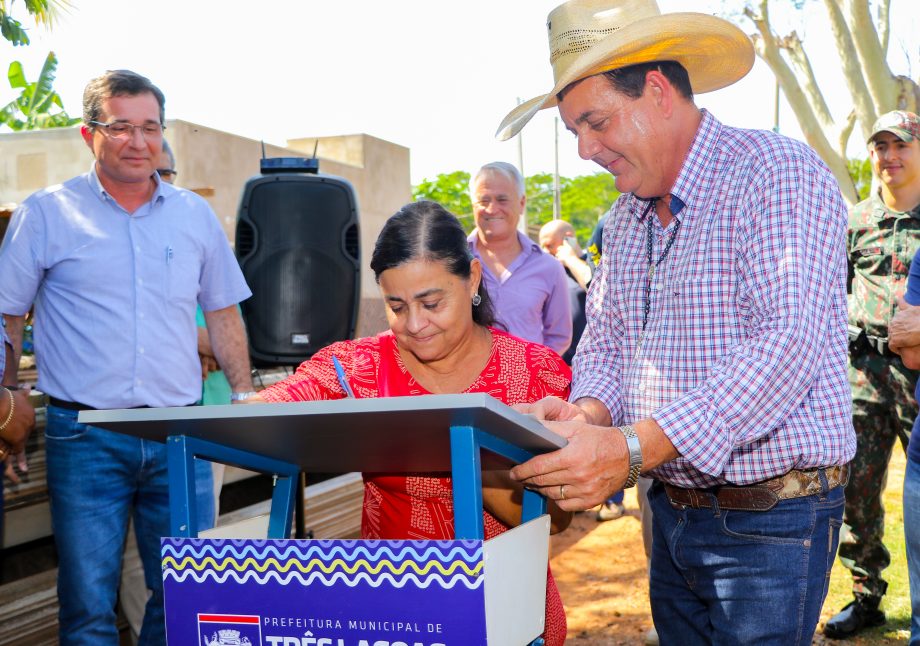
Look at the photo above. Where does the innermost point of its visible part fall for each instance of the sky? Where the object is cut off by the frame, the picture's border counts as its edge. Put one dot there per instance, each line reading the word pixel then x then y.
pixel 433 76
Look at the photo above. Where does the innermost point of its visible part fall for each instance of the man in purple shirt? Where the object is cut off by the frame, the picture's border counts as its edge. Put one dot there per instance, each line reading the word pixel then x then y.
pixel 715 353
pixel 527 286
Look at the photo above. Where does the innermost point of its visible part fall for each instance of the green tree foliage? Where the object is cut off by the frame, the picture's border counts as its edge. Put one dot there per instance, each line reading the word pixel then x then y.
pixel 450 190
pixel 584 199
pixel 38 105
pixel 540 198
pixel 861 172
pixel 42 12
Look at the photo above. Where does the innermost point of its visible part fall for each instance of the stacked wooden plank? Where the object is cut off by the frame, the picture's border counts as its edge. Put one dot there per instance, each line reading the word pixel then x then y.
pixel 332 508
pixel 27 514
pixel 28 607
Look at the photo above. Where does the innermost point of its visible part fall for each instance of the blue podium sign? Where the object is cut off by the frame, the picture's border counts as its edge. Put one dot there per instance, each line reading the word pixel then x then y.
pixel 277 592
pixel 324 592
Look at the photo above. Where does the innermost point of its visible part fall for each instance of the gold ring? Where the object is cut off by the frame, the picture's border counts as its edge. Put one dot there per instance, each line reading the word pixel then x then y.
pixel 562 492
pixel 4 450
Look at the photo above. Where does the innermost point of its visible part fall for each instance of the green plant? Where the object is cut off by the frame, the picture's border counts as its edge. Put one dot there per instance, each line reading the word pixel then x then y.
pixel 42 11
pixel 861 172
pixel 38 105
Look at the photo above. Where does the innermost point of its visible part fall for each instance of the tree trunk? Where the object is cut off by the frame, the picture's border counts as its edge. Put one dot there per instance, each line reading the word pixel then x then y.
pixel 862 47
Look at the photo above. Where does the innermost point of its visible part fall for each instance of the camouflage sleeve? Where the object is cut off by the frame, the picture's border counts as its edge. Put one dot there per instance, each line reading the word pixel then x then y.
pixel 880 247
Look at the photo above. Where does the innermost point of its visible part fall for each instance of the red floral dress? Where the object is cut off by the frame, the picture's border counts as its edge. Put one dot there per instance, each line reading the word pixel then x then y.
pixel 420 506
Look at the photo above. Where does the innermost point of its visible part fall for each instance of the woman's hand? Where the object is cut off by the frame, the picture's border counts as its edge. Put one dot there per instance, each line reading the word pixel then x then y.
pixel 503 498
pixel 22 421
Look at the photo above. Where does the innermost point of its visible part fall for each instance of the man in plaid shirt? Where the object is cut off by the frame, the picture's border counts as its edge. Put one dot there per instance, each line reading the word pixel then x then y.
pixel 715 355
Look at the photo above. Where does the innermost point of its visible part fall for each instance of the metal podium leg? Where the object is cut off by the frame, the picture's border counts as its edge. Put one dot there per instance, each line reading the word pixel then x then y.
pixel 283 494
pixel 534 505
pixel 181 452
pixel 182 499
pixel 300 527
pixel 467 483
pixel 465 444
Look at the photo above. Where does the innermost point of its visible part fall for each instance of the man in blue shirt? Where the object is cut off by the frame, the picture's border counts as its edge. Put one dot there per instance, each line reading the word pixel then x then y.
pixel 116 262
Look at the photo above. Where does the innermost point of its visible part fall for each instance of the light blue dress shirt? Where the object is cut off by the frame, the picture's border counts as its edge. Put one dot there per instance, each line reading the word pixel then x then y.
pixel 115 293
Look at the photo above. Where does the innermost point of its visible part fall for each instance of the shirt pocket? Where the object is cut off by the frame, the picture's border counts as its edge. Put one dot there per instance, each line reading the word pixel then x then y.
pixel 183 277
pixel 871 260
pixel 706 320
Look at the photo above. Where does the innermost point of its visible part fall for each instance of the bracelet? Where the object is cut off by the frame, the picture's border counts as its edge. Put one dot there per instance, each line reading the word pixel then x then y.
pixel 12 410
pixel 635 455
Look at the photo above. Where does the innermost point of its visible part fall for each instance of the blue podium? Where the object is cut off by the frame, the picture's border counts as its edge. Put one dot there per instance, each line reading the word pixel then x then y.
pixel 486 592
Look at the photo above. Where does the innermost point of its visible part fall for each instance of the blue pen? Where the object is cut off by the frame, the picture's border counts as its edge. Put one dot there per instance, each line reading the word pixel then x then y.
pixel 343 382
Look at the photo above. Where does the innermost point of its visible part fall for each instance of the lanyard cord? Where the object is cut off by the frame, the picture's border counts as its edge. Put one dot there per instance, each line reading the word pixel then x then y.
pixel 652 266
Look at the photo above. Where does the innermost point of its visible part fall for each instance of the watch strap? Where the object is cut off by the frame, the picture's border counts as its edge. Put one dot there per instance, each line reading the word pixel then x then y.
pixel 238 397
pixel 635 455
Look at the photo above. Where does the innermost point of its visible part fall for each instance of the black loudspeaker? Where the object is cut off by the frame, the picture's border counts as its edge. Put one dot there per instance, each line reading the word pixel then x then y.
pixel 298 245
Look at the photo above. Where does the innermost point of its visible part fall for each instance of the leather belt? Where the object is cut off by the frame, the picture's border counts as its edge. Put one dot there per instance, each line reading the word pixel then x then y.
pixel 760 496
pixel 63 403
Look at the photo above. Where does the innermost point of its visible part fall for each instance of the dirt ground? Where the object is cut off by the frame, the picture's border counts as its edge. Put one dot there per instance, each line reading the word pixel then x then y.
pixel 601 573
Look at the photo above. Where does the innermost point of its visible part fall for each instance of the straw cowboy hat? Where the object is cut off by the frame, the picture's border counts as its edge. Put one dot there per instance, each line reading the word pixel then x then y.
pixel 587 37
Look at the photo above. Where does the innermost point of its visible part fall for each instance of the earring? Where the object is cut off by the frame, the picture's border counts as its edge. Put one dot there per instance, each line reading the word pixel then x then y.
pixel 477 299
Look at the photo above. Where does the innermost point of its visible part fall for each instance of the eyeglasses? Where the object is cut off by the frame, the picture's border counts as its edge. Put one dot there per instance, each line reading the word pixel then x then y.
pixel 166 173
pixel 125 130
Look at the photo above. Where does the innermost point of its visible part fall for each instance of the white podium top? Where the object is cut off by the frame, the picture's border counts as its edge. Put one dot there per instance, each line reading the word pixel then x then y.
pixel 394 434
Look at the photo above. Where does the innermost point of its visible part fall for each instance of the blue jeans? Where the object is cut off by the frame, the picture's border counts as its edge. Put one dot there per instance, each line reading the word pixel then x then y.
pixel 742 577
pixel 96 479
pixel 912 541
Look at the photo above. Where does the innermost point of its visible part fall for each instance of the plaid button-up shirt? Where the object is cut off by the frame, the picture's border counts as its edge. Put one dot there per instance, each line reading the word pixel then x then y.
pixel 743 361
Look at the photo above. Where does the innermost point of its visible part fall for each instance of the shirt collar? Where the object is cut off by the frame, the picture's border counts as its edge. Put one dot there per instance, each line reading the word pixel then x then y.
pixel 881 211
pixel 690 180
pixel 159 193
pixel 527 245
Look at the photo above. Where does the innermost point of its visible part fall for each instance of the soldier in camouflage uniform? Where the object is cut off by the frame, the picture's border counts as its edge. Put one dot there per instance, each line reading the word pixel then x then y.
pixel 884 235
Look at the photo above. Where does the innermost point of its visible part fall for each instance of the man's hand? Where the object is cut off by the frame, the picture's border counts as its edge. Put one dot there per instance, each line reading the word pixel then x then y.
pixel 584 473
pixel 255 399
pixel 568 254
pixel 208 365
pixel 595 462
pixel 552 408
pixel 904 333
pixel 566 251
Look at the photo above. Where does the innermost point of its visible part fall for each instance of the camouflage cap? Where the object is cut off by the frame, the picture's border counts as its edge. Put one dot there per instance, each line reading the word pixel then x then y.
pixel 902 124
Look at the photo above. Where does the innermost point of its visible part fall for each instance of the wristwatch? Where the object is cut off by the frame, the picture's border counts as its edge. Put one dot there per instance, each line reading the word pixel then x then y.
pixel 635 455
pixel 238 397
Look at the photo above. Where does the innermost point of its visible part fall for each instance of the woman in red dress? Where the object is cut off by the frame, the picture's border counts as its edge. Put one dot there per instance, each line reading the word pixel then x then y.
pixel 441 339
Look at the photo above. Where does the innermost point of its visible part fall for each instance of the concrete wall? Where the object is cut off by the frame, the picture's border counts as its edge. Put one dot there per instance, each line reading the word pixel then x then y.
pixel 217 164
